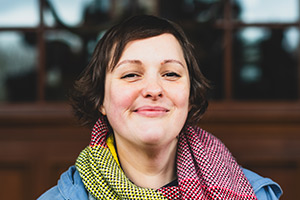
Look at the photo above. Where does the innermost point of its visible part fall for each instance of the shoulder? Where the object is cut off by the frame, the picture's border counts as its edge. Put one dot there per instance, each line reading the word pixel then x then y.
pixel 52 193
pixel 264 188
pixel 69 186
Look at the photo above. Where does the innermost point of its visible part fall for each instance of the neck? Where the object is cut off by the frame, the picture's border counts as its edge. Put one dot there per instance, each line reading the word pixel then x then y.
pixel 148 167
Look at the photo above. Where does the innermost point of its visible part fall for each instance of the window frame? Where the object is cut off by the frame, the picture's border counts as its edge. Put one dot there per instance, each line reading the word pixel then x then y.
pixel 281 109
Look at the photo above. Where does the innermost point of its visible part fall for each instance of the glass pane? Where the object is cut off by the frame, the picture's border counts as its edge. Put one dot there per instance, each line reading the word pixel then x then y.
pixel 19 13
pixel 265 63
pixel 66 56
pixel 253 11
pixel 18 61
pixel 196 10
pixel 69 12
pixel 74 13
pixel 209 48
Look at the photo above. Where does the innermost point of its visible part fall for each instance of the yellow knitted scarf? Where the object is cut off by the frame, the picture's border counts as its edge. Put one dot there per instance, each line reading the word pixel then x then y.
pixel 104 179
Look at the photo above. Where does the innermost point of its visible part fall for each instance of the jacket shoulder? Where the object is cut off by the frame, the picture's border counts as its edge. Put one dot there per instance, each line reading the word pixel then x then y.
pixel 52 193
pixel 69 186
pixel 264 188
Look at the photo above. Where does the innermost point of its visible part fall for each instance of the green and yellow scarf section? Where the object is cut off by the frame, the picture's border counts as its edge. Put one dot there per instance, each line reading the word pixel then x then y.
pixel 103 177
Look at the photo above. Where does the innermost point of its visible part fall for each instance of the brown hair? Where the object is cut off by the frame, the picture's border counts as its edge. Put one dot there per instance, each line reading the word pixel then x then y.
pixel 88 93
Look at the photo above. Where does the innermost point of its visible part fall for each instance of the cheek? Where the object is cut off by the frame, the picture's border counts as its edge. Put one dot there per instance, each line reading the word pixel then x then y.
pixel 120 99
pixel 183 102
pixel 180 96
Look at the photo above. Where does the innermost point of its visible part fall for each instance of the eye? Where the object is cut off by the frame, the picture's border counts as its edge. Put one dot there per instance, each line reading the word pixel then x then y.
pixel 130 75
pixel 171 75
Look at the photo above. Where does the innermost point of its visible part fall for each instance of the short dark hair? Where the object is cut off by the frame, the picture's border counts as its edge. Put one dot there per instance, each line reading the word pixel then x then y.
pixel 88 94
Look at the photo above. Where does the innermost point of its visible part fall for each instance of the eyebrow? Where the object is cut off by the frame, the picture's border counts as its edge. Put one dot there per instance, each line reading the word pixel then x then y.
pixel 129 61
pixel 138 62
pixel 172 61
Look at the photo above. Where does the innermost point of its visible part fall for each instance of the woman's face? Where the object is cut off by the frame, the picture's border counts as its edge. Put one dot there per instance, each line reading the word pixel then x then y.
pixel 147 93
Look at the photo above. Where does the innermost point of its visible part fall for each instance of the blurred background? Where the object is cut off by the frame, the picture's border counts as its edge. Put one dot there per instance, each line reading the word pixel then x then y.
pixel 248 49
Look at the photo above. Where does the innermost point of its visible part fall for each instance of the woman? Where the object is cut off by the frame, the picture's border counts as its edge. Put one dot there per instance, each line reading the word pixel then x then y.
pixel 143 94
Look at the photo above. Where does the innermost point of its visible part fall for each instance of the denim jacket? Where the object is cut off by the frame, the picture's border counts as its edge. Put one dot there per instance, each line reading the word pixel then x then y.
pixel 70 187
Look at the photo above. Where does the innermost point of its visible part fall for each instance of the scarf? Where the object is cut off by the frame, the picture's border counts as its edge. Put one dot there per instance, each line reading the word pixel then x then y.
pixel 205 170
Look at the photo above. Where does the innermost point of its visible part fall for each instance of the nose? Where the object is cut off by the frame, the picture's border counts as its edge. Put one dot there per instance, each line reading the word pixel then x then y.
pixel 152 89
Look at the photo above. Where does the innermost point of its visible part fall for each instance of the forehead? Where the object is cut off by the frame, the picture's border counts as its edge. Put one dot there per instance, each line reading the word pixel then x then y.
pixel 163 38
pixel 166 39
pixel 164 46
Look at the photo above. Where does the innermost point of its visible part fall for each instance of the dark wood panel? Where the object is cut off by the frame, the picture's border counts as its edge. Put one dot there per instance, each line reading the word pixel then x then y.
pixel 38 143
pixel 14 181
pixel 286 173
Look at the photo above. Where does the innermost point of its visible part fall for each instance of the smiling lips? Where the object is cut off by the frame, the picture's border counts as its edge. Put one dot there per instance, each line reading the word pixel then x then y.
pixel 151 111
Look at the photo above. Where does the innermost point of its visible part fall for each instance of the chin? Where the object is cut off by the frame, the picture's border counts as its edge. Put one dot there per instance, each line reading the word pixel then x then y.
pixel 156 138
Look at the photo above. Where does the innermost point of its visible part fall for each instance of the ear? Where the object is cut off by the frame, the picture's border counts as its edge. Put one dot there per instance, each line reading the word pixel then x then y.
pixel 102 110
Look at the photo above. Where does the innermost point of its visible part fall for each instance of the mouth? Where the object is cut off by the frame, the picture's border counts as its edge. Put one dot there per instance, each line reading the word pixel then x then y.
pixel 151 111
